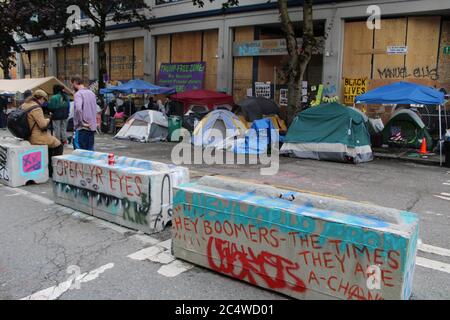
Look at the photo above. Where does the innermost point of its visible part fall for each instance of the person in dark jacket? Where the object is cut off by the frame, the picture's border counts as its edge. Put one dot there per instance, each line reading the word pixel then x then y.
pixel 59 106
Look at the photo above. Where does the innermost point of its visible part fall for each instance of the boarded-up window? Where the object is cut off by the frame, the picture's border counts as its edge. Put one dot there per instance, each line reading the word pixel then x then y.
pixel 35 63
pixel 125 59
pixel 243 66
pixel 366 53
pixel 73 61
pixel 199 46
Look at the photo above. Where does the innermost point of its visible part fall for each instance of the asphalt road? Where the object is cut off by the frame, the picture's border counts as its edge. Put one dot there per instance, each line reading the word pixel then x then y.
pixel 41 240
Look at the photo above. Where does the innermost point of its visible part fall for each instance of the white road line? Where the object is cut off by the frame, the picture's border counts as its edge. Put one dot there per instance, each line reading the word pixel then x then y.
pixel 55 292
pixel 175 268
pixel 434 250
pixel 446 184
pixel 443 198
pixel 146 254
pixel 431 264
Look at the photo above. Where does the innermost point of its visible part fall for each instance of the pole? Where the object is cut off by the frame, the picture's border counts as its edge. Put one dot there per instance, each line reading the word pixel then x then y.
pixel 440 135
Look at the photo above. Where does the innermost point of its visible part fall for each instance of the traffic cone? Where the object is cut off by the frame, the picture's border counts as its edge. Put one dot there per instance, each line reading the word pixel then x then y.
pixel 423 147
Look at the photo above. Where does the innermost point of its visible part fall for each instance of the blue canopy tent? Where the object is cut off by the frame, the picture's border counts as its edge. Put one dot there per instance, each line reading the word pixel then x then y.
pixel 406 93
pixel 138 87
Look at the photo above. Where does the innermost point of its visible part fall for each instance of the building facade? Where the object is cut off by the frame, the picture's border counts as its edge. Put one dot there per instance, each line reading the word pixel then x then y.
pixel 244 46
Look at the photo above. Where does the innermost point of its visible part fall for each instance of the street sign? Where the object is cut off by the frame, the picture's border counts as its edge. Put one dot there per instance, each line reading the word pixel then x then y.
pixel 397 50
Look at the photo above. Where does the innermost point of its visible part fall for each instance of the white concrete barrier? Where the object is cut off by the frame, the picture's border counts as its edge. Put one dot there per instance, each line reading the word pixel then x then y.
pixel 304 246
pixel 133 193
pixel 21 162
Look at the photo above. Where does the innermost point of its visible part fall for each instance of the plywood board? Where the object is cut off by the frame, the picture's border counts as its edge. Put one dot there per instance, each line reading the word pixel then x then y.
pixel 358 45
pixel 210 56
pixel 187 47
pixel 86 65
pixel 423 46
pixel 60 64
pixel 121 60
pixel 39 63
pixel 444 58
pixel 162 50
pixel 392 33
pixel 139 58
pixel 243 66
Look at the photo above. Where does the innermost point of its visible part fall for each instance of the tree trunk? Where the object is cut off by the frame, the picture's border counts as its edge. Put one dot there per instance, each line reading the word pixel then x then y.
pixel 102 69
pixel 299 58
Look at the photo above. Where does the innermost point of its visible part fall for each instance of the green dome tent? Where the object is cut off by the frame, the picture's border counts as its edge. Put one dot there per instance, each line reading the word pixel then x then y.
pixel 330 132
pixel 406 129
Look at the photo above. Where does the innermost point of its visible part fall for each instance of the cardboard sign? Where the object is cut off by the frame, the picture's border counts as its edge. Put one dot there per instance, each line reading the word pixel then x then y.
pixel 283 97
pixel 354 88
pixel 182 76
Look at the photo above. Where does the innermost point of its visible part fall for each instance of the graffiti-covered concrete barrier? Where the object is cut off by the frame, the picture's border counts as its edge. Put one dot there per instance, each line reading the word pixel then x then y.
pixel 21 162
pixel 133 193
pixel 304 246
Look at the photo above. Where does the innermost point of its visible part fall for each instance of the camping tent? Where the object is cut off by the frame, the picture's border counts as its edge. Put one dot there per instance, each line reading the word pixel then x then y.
pixel 145 126
pixel 258 138
pixel 406 129
pixel 257 108
pixel 138 87
pixel 218 129
pixel 211 100
pixel 329 132
pixel 406 93
pixel 22 85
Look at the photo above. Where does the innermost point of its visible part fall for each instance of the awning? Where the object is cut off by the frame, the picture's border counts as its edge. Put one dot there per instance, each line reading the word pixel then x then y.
pixel 22 85
pixel 403 93
pixel 138 87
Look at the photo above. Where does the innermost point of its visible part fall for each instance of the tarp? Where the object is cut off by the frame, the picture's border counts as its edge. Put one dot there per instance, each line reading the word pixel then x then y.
pixel 145 126
pixel 403 93
pixel 22 85
pixel 257 108
pixel 406 129
pixel 329 132
pixel 258 138
pixel 138 87
pixel 211 99
pixel 218 129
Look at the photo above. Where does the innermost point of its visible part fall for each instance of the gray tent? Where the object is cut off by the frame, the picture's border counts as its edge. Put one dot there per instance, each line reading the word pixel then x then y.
pixel 145 126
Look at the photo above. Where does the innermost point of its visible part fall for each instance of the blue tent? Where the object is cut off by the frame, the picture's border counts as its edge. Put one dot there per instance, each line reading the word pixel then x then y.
pixel 402 93
pixel 258 138
pixel 138 87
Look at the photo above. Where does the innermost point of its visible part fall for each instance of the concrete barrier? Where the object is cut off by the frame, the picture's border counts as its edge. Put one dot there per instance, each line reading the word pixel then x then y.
pixel 133 193
pixel 304 246
pixel 21 162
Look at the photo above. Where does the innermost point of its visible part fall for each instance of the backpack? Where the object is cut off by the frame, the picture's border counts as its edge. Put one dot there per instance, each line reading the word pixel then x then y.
pixel 18 123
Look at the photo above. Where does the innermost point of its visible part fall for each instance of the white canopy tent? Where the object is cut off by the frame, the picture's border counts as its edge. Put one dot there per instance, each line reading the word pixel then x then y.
pixel 21 85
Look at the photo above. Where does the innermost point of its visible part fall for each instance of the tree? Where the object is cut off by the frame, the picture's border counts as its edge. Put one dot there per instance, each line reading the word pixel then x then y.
pixel 22 19
pixel 299 54
pixel 102 13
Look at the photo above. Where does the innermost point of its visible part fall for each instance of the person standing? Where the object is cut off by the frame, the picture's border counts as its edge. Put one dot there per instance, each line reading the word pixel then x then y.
pixel 85 115
pixel 59 106
pixel 39 126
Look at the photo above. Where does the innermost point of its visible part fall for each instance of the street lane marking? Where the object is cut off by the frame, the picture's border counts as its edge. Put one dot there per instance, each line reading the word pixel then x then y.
pixel 434 250
pixel 175 268
pixel 160 253
pixel 431 264
pixel 55 292
pixel 443 198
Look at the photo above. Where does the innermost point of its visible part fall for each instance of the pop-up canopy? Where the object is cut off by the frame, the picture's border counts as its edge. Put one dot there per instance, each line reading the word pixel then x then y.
pixel 403 93
pixel 22 85
pixel 406 93
pixel 138 87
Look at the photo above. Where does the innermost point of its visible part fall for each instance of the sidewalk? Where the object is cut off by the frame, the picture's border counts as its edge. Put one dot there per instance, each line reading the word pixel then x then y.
pixel 409 155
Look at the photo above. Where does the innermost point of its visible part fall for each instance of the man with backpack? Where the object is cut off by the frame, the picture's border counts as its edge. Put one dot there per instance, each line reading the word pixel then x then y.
pixel 59 106
pixel 37 130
